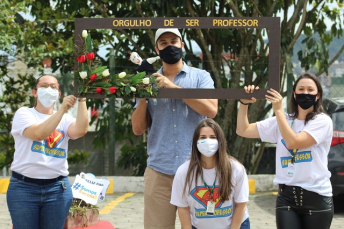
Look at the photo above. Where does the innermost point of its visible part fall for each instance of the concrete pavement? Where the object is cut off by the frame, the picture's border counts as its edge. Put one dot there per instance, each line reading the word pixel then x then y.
pixel 125 210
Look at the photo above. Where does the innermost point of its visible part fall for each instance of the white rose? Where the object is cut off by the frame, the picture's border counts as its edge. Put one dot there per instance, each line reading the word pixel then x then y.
pixel 133 89
pixel 84 33
pixel 83 74
pixel 145 80
pixel 122 74
pixel 106 72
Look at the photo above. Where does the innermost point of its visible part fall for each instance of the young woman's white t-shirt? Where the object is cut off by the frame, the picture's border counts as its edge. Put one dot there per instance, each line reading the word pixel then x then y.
pixel 40 159
pixel 197 198
pixel 310 168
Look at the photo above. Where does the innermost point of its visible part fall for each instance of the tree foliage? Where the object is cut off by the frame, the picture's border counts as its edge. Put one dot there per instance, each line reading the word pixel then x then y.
pixel 50 34
pixel 16 92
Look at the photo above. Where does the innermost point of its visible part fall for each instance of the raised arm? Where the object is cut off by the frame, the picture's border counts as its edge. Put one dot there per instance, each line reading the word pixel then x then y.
pixel 80 127
pixel 140 120
pixel 244 128
pixel 39 132
pixel 292 140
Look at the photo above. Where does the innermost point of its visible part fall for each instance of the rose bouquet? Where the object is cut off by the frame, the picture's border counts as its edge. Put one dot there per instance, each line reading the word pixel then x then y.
pixel 92 78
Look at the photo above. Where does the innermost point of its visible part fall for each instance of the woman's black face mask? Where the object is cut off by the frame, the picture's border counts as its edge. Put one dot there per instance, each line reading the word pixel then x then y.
pixel 305 101
pixel 171 54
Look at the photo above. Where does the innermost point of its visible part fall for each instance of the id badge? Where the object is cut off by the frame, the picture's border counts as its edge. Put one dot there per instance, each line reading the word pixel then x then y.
pixel 291 169
pixel 210 207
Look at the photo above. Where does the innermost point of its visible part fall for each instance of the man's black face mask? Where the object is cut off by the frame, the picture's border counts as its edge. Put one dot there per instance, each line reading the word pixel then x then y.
pixel 171 54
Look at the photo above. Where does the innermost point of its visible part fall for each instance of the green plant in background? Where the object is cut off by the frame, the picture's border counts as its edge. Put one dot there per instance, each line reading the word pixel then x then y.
pixel 134 156
pixel 16 93
pixel 78 156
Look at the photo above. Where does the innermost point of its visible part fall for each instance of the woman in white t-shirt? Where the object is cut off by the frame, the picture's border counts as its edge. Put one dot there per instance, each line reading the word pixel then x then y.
pixel 303 140
pixel 211 189
pixel 39 194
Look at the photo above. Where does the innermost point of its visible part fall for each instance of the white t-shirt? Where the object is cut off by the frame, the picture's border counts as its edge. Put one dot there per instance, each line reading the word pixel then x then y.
pixel 198 197
pixel 310 168
pixel 40 159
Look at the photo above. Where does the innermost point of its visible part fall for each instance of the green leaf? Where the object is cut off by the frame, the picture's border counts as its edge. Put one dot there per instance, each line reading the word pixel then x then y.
pixel 308 31
pixel 310 43
pixel 138 77
pixel 101 84
pixel 127 90
pixel 149 90
pixel 80 87
pixel 88 43
pixel 99 70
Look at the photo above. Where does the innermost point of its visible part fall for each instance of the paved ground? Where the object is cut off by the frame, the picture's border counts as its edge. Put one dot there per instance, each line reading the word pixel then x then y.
pixel 125 211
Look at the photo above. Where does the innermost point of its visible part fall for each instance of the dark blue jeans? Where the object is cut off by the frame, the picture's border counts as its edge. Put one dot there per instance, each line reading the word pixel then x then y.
pixel 34 206
pixel 244 225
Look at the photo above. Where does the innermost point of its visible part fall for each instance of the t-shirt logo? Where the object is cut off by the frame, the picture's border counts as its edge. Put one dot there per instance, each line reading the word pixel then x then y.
pixel 202 196
pixel 49 146
pixel 53 139
pixel 301 156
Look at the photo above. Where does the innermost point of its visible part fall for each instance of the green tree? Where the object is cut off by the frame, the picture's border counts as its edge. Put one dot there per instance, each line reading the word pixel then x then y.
pixel 15 94
pixel 51 32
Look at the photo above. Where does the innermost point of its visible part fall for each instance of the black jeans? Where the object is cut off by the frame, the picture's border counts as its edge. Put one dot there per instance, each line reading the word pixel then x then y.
pixel 297 208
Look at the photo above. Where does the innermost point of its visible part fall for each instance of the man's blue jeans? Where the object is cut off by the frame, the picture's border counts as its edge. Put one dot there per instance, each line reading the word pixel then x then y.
pixel 34 206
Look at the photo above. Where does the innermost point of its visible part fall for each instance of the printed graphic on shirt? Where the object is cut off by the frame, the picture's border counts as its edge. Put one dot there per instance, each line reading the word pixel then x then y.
pixel 49 145
pixel 303 156
pixel 202 196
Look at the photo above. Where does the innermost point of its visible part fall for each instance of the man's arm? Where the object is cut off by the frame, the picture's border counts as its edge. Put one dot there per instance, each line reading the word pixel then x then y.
pixel 205 107
pixel 140 120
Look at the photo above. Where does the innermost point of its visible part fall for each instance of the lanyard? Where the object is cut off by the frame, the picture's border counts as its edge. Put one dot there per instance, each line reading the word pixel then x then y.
pixel 294 151
pixel 212 190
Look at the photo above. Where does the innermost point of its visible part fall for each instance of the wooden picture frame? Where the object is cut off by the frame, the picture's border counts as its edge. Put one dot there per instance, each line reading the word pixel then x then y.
pixel 270 23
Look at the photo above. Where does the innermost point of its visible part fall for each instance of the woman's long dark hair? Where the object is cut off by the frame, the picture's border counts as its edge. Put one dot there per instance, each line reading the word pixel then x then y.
pixel 223 165
pixel 318 106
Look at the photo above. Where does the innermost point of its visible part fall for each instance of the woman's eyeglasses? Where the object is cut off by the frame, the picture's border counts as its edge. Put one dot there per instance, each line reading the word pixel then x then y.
pixel 54 86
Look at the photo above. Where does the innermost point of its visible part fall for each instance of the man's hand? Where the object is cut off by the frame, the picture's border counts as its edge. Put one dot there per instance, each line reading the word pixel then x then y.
pixel 163 81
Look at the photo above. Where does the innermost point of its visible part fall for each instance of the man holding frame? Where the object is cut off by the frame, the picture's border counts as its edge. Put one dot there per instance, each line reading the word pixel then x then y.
pixel 170 124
